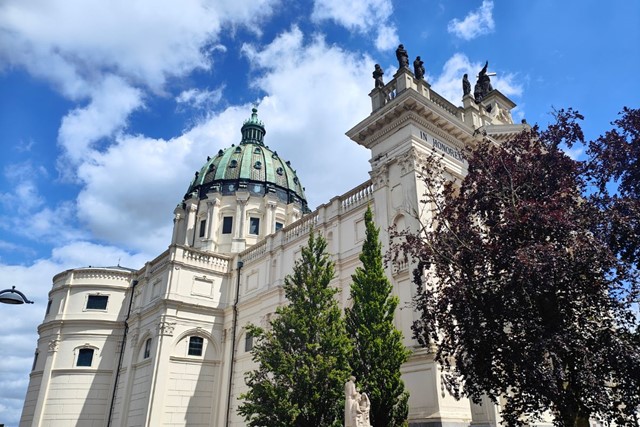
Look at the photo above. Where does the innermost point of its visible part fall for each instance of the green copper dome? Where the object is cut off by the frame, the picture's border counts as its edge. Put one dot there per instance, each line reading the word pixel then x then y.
pixel 250 166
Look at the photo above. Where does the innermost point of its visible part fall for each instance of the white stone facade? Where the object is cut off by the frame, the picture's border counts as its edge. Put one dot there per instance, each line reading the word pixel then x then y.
pixel 182 317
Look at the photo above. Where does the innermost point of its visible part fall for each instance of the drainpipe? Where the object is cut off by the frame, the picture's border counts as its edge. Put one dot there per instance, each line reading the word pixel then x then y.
pixel 124 341
pixel 233 341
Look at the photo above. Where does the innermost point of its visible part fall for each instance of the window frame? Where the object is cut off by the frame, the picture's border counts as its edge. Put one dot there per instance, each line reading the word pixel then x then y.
pixel 226 223
pixel 202 231
pixel 254 221
pixel 99 295
pixel 85 350
pixel 146 354
pixel 195 346
pixel 248 342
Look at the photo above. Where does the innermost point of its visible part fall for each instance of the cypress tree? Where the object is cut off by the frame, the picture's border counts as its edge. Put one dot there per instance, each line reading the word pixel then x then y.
pixel 303 357
pixel 378 349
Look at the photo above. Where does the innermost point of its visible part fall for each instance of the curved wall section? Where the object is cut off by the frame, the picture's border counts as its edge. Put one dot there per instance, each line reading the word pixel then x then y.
pixel 78 348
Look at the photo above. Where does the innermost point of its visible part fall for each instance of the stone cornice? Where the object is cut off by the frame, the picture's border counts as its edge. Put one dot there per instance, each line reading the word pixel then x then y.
pixel 410 105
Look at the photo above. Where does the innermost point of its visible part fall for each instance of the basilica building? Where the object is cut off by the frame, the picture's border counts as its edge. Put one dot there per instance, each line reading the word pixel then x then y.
pixel 166 345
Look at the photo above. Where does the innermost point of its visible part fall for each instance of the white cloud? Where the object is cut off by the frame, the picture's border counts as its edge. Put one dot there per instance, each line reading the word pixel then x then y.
pixel 112 102
pixel 308 119
pixel 476 23
pixel 26 211
pixel 202 99
pixel 387 38
pixel 449 82
pixel 364 17
pixel 69 40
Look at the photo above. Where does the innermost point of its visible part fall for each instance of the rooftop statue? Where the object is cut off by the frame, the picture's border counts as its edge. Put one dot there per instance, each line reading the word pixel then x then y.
pixel 377 76
pixel 403 57
pixel 466 86
pixel 418 68
pixel 483 85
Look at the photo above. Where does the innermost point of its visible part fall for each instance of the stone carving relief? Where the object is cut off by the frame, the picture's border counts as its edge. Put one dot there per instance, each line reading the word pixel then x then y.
pixel 166 328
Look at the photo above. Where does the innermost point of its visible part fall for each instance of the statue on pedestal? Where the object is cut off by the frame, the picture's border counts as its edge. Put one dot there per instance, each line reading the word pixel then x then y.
pixel 377 76
pixel 466 86
pixel 356 406
pixel 418 68
pixel 403 57
pixel 483 85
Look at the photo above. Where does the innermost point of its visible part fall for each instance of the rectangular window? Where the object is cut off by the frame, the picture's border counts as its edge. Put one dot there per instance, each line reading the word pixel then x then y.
pixel 279 225
pixel 195 346
pixel 254 226
pixel 147 349
pixel 35 361
pixel 227 224
pixel 48 307
pixel 97 302
pixel 85 357
pixel 248 342
pixel 203 227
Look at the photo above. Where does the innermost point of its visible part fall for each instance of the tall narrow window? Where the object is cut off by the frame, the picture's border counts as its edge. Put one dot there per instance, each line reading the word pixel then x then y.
pixel 227 224
pixel 147 349
pixel 195 346
pixel 203 227
pixel 97 302
pixel 248 342
pixel 35 361
pixel 85 357
pixel 48 307
pixel 254 226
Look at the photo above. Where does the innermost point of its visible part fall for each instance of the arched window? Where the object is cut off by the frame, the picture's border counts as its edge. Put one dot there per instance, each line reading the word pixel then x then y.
pixel 147 349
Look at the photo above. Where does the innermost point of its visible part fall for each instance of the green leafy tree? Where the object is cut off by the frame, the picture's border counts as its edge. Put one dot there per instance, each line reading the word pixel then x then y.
pixel 527 279
pixel 303 357
pixel 378 349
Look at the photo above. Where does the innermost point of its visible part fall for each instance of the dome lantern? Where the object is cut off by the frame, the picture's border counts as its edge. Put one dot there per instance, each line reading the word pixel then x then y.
pixel 253 130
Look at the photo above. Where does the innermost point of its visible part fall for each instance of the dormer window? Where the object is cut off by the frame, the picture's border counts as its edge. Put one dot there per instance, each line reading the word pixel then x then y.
pixel 233 163
pixel 258 165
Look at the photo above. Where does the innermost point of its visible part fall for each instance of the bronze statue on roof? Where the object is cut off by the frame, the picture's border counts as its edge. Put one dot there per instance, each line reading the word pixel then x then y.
pixel 418 68
pixel 403 57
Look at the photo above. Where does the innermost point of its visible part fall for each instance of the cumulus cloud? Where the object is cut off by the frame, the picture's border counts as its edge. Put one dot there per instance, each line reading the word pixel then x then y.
pixel 112 102
pixel 201 99
pixel 26 212
pixel 309 129
pixel 477 23
pixel 364 17
pixel 79 38
pixel 449 82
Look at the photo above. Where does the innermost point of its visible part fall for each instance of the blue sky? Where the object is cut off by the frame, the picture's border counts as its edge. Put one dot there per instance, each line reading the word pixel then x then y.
pixel 108 108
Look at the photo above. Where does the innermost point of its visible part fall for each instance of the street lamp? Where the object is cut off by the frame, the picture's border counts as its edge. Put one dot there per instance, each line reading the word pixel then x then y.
pixel 13 296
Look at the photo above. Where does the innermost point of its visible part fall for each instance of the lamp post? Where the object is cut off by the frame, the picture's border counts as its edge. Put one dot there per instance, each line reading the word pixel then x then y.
pixel 13 296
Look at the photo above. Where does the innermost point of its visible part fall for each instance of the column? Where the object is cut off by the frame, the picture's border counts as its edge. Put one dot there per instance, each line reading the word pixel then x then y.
pixel 191 220
pixel 47 373
pixel 212 216
pixel 270 220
